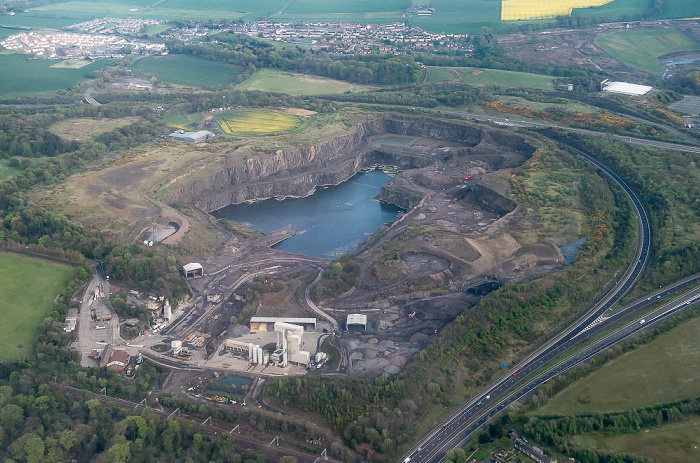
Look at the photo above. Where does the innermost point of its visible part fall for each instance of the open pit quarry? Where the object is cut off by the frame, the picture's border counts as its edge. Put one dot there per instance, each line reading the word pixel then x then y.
pixel 462 234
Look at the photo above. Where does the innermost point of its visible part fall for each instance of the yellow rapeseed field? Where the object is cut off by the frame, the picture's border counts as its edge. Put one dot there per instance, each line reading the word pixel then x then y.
pixel 538 9
pixel 257 122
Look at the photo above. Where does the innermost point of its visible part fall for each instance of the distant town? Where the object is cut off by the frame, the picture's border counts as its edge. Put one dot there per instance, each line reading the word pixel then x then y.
pixel 113 38
pixel 67 45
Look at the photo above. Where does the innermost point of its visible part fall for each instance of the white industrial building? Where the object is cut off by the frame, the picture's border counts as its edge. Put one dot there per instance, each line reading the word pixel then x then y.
pixel 192 270
pixel 624 88
pixel 267 323
pixel 356 319
pixel 290 340
pixel 289 343
pixel 253 352
pixel 191 137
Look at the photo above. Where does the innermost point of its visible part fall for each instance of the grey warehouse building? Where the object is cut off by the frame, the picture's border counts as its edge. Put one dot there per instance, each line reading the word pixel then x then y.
pixel 191 137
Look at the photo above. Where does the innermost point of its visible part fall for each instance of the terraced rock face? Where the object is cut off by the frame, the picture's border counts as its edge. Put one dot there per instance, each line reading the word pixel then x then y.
pixel 296 172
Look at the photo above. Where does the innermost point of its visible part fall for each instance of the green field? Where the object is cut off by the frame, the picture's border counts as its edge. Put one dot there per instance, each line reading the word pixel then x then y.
pixel 6 170
pixel 6 32
pixel 22 76
pixel 671 443
pixel 257 122
pixel 166 9
pixel 451 16
pixel 27 289
pixel 269 80
pixel 640 48
pixel 490 77
pixel 153 30
pixel 680 9
pixel 665 370
pixel 188 70
pixel 441 75
pixel 616 8
pixel 454 17
pixel 36 21
pixel 189 121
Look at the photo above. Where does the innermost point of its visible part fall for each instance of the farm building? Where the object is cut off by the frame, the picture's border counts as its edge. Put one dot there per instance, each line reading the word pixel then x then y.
pixel 624 88
pixel 192 270
pixel 191 137
pixel 267 323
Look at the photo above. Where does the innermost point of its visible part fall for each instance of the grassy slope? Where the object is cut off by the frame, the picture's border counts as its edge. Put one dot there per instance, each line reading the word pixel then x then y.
pixel 665 370
pixel 22 76
pixel 27 289
pixel 671 443
pixel 490 77
pixel 269 80
pixel 640 48
pixel 188 70
pixel 82 128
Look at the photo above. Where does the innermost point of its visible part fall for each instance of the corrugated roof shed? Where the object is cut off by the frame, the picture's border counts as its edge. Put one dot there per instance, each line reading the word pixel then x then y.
pixel 626 88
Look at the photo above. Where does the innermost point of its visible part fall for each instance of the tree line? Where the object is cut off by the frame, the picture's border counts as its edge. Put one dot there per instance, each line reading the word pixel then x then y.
pixel 247 51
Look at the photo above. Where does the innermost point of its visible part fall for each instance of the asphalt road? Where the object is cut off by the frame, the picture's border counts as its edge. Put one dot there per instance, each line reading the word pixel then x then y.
pixel 96 293
pixel 540 125
pixel 432 447
pixel 459 429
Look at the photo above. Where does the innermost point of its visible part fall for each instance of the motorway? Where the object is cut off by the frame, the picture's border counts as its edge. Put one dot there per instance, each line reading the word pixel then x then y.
pixel 540 125
pixel 459 428
pixel 432 447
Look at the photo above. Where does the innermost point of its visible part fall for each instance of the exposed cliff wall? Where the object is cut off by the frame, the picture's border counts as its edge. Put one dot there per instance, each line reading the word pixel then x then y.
pixel 400 193
pixel 486 198
pixel 296 172
pixel 293 172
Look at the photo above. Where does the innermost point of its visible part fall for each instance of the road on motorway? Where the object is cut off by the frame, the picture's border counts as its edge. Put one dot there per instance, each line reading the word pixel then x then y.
pixel 458 430
pixel 432 447
pixel 540 125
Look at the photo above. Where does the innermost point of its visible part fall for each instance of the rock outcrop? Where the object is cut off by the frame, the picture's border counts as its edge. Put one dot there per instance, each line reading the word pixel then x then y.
pixel 297 172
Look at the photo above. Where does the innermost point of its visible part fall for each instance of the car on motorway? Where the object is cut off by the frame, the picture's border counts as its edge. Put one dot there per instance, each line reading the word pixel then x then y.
pixel 642 321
